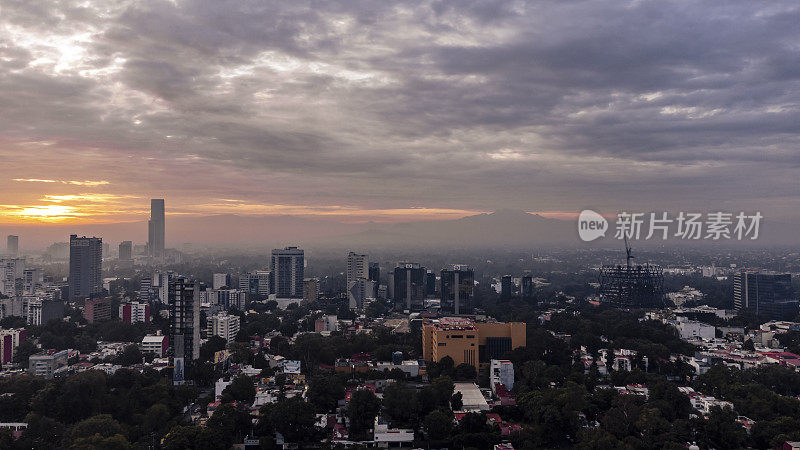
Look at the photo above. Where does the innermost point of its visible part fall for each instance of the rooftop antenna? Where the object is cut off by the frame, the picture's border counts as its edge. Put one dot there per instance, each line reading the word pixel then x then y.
pixel 629 257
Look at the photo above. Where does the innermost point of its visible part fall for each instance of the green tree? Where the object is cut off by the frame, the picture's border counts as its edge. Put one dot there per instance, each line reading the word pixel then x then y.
pixel 456 401
pixel 240 353
pixel 721 430
pixel 130 355
pixel 102 425
pixel 465 372
pixel 325 390
pixel 438 424
pixel 400 404
pixel 361 411
pixel 230 421
pixel 241 389
pixel 24 350
pixel 42 432
pixel 212 346
pixel 98 442
pixel 293 418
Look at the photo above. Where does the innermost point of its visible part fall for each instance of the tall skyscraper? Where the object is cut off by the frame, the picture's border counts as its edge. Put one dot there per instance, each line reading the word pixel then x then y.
pixel 126 250
pixel 457 286
pixel 357 275
pixel 85 265
pixel 408 287
pixel 506 287
pixel 526 287
pixel 155 228
pixel 184 313
pixel 430 283
pixel 12 245
pixel 288 267
pixel 375 277
pixel 766 294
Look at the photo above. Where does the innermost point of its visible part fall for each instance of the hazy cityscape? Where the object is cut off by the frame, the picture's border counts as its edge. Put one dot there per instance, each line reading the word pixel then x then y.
pixel 419 224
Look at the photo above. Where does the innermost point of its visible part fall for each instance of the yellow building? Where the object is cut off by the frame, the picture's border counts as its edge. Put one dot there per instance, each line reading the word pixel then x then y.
pixel 467 341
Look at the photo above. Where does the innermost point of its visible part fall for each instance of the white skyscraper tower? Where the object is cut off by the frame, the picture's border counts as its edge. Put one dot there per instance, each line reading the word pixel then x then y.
pixel 357 279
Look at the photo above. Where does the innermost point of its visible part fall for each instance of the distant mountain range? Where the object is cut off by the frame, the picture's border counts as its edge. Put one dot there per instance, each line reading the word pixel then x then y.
pixel 502 228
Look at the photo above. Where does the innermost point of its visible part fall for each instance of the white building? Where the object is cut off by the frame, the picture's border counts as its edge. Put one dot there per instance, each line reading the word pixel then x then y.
pixel 689 329
pixel 134 312
pixel 220 280
pixel 471 397
pixel 156 344
pixel 33 311
pixel 358 285
pixel 224 325
pixel 328 322
pixel 32 280
pixel 501 371
pixel 384 436
pixel 11 269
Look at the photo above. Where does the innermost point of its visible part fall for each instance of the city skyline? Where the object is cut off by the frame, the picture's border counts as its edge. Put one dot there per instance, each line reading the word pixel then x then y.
pixel 395 112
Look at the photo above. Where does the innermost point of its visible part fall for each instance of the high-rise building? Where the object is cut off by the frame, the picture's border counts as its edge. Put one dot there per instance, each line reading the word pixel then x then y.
pixel 11 270
pixel 357 267
pixel 311 289
pixel 506 287
pixel 526 287
pixel 408 287
pixel 97 310
pixel 134 312
pixel 156 228
pixel 12 245
pixel 184 309
pixel 32 279
pixel 357 274
pixel 375 272
pixel 220 280
pixel 359 291
pixel 125 250
pixel 85 264
pixel 224 325
pixel 9 341
pixel 288 266
pixel 430 283
pixel 257 282
pixel 765 294
pixel 457 286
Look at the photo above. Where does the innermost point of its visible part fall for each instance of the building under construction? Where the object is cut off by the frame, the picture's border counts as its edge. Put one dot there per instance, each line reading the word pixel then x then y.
pixel 632 286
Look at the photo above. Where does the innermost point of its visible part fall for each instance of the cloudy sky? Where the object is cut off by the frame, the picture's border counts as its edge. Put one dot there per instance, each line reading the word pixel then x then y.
pixel 393 111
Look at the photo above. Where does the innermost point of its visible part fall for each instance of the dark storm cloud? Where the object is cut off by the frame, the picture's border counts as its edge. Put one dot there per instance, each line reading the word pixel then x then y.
pixel 541 105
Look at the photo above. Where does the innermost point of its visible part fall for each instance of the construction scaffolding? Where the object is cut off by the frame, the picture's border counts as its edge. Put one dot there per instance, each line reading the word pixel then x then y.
pixel 632 286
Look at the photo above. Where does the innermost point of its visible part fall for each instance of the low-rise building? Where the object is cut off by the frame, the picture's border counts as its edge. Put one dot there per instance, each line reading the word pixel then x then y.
pixel 385 436
pixel 501 372
pixel 156 344
pixel 691 329
pixel 46 364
